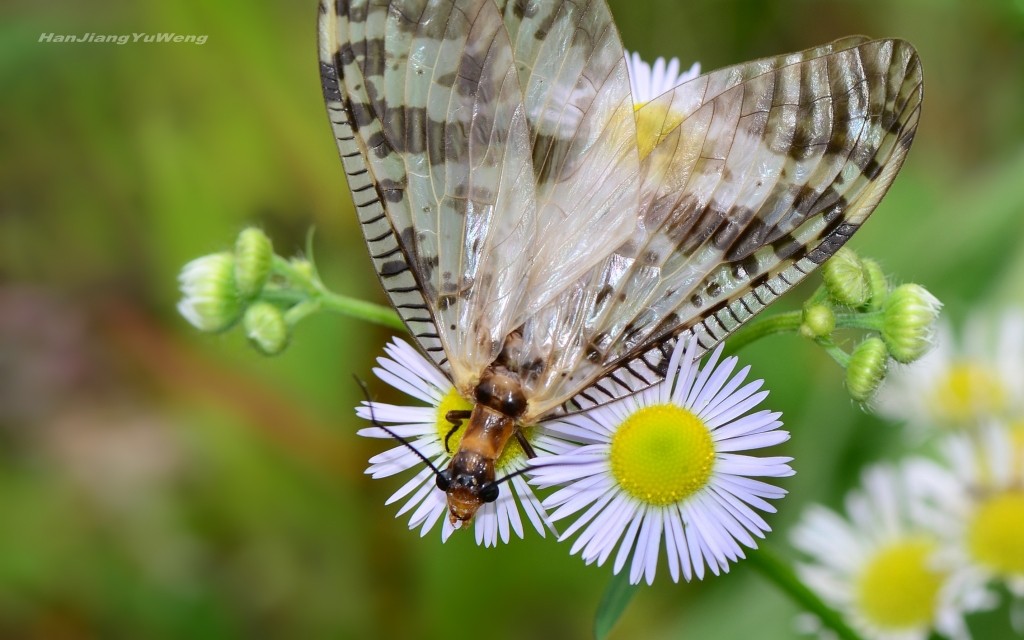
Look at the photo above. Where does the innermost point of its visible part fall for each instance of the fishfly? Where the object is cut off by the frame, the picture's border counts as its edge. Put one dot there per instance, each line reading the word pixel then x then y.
pixel 547 243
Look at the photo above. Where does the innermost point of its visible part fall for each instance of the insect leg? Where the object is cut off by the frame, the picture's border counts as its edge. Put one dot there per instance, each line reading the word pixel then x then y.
pixel 525 444
pixel 455 417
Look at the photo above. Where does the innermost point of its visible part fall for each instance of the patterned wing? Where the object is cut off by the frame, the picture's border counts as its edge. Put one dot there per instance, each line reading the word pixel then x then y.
pixel 572 71
pixel 751 178
pixel 429 118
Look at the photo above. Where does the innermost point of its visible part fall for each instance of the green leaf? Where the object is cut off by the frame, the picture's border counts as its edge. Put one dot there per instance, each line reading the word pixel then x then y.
pixel 616 598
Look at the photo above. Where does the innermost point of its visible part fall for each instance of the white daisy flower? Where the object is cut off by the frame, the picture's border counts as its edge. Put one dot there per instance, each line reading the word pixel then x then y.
pixel 961 383
pixel 569 102
pixel 984 502
pixel 425 427
pixel 883 565
pixel 663 463
pixel 647 81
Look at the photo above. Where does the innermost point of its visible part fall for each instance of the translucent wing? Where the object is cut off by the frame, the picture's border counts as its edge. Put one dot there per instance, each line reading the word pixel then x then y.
pixel 430 123
pixel 572 71
pixel 751 178
pixel 488 192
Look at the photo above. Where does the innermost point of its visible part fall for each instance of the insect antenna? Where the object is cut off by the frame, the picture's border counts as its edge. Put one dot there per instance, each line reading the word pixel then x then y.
pixel 404 441
pixel 514 474
pixel 536 465
pixel 531 467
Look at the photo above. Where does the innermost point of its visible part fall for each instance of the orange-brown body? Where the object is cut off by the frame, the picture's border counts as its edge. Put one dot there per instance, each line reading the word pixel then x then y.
pixel 469 478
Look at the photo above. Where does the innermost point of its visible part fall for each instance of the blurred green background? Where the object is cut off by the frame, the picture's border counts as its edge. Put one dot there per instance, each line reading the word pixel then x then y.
pixel 159 483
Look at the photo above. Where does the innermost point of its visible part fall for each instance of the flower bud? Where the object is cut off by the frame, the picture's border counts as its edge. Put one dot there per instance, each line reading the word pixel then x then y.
pixel 910 313
pixel 210 300
pixel 818 321
pixel 866 370
pixel 266 328
pixel 845 278
pixel 253 257
pixel 303 267
pixel 878 285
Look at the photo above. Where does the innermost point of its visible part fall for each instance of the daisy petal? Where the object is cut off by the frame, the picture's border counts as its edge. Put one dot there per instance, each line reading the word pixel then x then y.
pixel 625 494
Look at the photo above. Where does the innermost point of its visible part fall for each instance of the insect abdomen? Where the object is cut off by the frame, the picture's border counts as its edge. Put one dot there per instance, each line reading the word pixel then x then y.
pixel 500 402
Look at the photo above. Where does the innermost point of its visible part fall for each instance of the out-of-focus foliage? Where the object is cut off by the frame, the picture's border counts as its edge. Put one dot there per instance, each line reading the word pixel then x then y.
pixel 159 483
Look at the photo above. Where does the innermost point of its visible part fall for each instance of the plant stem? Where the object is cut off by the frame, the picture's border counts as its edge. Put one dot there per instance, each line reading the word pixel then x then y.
pixel 762 326
pixel 831 348
pixel 301 310
pixel 871 321
pixel 361 310
pixel 295 277
pixel 772 567
pixel 307 292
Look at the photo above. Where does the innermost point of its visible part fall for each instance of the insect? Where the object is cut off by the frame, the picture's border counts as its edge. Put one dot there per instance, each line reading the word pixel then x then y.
pixel 545 241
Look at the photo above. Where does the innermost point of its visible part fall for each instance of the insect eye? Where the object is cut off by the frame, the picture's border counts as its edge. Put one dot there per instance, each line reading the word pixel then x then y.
pixel 489 492
pixel 444 480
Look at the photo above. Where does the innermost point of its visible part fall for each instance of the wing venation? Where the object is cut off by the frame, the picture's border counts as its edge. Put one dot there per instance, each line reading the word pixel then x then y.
pixel 755 176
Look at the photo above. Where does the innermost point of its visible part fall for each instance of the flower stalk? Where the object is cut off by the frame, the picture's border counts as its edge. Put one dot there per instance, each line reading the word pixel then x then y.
pixel 777 571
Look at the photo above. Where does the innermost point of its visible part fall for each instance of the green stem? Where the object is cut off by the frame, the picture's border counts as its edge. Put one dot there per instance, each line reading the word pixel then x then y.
pixel 772 567
pixel 762 326
pixel 301 310
pixel 834 350
pixel 361 310
pixel 820 296
pixel 283 297
pixel 871 321
pixel 294 277
pixel 308 294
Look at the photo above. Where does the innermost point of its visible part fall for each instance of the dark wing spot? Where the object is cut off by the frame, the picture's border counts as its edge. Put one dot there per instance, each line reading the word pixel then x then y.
pixel 872 169
pixel 393 267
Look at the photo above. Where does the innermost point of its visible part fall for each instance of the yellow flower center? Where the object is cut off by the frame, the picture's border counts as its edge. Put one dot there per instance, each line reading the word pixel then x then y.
pixel 1016 430
pixel 969 391
pixel 653 121
pixel 662 454
pixel 452 401
pixel 995 535
pixel 898 588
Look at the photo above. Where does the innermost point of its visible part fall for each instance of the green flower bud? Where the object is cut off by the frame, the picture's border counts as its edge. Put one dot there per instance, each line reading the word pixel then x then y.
pixel 818 321
pixel 253 257
pixel 878 284
pixel 303 267
pixel 266 328
pixel 210 300
pixel 866 370
pixel 845 278
pixel 910 313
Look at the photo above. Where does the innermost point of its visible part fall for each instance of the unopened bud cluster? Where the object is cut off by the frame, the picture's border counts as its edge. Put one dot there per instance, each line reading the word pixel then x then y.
pixel 221 289
pixel 899 321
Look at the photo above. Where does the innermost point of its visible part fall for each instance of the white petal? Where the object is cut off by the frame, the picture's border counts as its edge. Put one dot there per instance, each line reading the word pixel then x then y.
pixel 636 569
pixel 714 385
pixel 705 374
pixel 756 441
pixel 627 543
